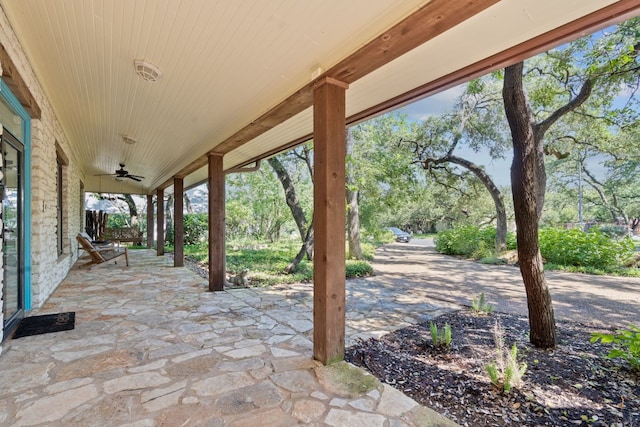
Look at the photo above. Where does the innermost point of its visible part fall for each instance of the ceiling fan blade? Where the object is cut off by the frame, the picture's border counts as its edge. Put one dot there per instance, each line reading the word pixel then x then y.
pixel 135 178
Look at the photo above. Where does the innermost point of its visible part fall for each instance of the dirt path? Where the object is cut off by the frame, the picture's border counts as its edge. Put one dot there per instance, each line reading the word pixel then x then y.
pixel 415 269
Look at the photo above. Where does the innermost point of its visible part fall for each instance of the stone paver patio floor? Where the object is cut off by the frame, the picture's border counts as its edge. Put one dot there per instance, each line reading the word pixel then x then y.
pixel 152 348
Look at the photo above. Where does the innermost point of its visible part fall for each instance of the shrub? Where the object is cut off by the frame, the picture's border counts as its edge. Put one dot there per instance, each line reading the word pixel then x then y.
pixel 458 241
pixel 626 345
pixel 470 241
pixel 577 248
pixel 118 220
pixel 613 231
pixel 195 228
pixel 356 268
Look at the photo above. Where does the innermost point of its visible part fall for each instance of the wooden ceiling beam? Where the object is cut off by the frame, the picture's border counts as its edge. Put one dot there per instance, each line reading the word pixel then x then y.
pixel 12 78
pixel 610 15
pixel 428 22
pixel 607 16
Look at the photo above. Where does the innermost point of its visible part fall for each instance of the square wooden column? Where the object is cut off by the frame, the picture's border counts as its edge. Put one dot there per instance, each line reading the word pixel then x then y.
pixel 178 222
pixel 217 273
pixel 160 222
pixel 329 220
pixel 149 221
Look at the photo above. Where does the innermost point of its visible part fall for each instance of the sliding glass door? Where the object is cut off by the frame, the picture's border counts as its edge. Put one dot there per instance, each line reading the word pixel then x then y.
pixel 11 190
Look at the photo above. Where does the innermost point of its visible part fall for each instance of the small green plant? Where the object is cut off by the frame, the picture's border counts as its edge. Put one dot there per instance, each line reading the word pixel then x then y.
pixel 480 305
pixel 626 345
pixel 357 268
pixel 505 372
pixel 440 338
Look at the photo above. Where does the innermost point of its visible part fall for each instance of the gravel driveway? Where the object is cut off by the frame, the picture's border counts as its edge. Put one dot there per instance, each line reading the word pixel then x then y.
pixel 416 269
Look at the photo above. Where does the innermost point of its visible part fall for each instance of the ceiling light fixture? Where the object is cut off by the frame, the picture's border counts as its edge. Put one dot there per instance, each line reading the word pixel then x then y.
pixel 147 70
pixel 129 140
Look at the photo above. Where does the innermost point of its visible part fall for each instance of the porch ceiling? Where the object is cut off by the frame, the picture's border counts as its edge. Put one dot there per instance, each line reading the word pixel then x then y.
pixel 227 63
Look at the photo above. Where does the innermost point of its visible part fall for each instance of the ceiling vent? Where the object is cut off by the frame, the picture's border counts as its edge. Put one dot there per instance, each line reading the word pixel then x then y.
pixel 129 140
pixel 147 70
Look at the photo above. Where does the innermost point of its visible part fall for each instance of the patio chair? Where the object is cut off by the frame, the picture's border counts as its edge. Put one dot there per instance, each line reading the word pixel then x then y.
pixel 101 254
pixel 98 244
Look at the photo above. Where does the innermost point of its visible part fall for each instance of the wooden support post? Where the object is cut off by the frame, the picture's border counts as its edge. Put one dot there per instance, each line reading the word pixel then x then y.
pixel 329 212
pixel 178 222
pixel 149 221
pixel 217 273
pixel 160 221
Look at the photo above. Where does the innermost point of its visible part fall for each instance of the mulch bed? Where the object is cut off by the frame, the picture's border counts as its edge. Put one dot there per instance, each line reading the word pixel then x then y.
pixel 572 385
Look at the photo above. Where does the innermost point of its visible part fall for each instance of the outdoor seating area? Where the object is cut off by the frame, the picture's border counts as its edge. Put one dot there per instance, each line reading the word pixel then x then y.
pixel 152 347
pixel 101 254
pixel 123 234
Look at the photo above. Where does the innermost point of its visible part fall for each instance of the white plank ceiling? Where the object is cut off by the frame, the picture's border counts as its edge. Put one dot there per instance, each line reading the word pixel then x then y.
pixel 224 64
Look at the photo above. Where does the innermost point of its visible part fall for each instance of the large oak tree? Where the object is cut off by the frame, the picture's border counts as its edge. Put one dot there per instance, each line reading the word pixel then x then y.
pixel 562 81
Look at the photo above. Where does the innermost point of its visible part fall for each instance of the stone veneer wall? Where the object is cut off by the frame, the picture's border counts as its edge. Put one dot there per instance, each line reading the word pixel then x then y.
pixel 48 269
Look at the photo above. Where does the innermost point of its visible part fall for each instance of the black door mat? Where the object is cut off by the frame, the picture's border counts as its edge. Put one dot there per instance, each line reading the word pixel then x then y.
pixel 47 323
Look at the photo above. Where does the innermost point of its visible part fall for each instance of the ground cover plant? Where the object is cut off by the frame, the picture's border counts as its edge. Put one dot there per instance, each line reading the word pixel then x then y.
pixel 575 384
pixel 266 261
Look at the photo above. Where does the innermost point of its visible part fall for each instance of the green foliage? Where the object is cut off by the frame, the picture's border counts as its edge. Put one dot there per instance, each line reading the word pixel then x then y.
pixel 505 372
pixel 435 337
pixel 447 335
pixel 118 220
pixel 614 231
pixel 463 240
pixel 620 271
pixel 493 260
pixel 368 250
pixel 440 338
pixel 195 228
pixel 592 249
pixel 385 236
pixel 513 372
pixel 169 236
pixel 256 207
pixel 357 268
pixel 479 305
pixel 266 261
pixel 470 241
pixel 626 344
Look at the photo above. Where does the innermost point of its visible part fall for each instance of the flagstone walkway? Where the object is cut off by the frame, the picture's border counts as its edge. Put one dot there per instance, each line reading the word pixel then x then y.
pixel 152 348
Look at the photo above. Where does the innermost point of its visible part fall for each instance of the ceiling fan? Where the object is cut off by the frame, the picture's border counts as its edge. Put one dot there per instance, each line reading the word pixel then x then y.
pixel 122 173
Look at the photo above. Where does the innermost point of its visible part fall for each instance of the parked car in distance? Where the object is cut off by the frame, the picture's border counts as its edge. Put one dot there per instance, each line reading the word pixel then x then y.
pixel 401 236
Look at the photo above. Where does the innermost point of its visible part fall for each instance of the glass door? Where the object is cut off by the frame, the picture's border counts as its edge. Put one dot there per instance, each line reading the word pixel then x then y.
pixel 12 231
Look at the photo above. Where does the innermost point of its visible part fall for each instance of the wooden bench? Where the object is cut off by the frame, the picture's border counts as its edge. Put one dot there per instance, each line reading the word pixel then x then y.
pixel 124 234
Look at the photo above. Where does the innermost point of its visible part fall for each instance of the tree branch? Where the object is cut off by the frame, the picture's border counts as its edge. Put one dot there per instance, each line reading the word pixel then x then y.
pixel 583 95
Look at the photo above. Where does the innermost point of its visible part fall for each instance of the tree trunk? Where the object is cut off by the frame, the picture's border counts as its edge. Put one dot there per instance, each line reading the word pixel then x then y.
pixel 353 225
pixel 306 248
pixel 168 229
pixel 496 195
pixel 133 209
pixel 353 211
pixel 290 196
pixel 525 184
pixel 187 203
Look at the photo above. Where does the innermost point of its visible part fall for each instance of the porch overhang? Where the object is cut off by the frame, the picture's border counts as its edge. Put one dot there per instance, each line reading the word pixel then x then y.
pixel 246 92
